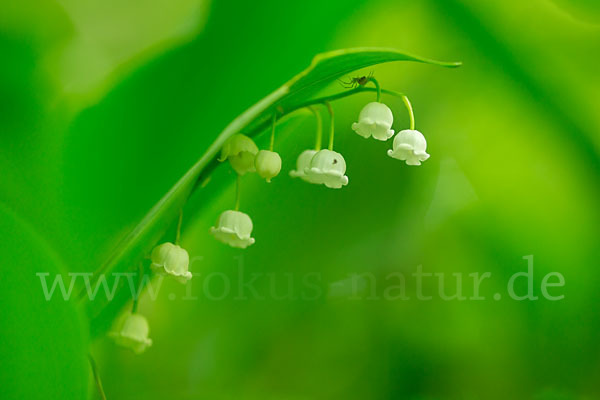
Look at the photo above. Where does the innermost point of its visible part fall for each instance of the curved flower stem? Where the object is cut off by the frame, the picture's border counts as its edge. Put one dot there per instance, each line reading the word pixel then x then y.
pixel 136 295
pixel 319 128
pixel 332 124
pixel 410 111
pixel 237 193
pixel 274 122
pixel 377 87
pixel 348 93
pixel 334 97
pixel 96 377
pixel 178 233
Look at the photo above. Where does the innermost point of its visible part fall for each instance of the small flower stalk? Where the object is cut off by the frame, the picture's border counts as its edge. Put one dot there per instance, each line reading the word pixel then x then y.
pixel 409 145
pixel 234 228
pixel 326 167
pixel 169 259
pixel 132 333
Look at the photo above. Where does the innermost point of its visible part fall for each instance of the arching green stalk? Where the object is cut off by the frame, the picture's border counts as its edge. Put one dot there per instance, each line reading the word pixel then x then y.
pixel 377 87
pixel 410 111
pixel 97 377
pixel 138 292
pixel 319 121
pixel 178 232
pixel 237 193
pixel 273 122
pixel 331 124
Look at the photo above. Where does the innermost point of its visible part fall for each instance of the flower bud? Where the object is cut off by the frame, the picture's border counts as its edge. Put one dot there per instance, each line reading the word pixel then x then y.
pixel 171 259
pixel 268 164
pixel 240 150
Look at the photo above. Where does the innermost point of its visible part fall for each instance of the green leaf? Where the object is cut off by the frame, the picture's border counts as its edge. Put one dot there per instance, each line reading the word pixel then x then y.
pixel 324 69
pixel 43 344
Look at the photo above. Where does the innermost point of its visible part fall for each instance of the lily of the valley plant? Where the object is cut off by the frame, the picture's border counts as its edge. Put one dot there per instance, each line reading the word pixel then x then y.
pixel 319 166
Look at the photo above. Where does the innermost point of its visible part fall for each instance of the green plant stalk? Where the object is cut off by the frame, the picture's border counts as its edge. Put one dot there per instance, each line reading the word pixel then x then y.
pixel 138 292
pixel 377 87
pixel 319 121
pixel 331 124
pixel 274 122
pixel 410 111
pixel 237 193
pixel 97 377
pixel 178 232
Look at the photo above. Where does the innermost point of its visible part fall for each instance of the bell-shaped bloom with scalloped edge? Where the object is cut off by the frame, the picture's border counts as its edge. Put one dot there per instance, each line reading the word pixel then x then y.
pixel 302 164
pixel 409 145
pixel 171 259
pixel 375 119
pixel 234 228
pixel 268 164
pixel 132 332
pixel 240 150
pixel 327 167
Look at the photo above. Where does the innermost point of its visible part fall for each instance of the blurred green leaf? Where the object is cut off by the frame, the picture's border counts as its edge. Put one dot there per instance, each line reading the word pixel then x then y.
pixel 44 344
pixel 323 70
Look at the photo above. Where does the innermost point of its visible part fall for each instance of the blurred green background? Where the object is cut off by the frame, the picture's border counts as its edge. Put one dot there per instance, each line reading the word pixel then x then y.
pixel 105 104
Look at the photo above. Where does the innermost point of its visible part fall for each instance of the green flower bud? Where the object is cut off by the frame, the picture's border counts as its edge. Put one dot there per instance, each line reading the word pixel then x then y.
pixel 132 332
pixel 171 259
pixel 268 164
pixel 240 150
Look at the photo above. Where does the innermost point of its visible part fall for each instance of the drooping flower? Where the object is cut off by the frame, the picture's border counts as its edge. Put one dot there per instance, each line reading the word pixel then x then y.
pixel 171 259
pixel 327 167
pixel 268 164
pixel 302 164
pixel 240 150
pixel 132 332
pixel 375 119
pixel 234 228
pixel 409 145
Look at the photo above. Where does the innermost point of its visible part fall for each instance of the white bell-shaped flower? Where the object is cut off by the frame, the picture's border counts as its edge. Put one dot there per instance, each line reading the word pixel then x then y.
pixel 327 167
pixel 171 259
pixel 302 164
pixel 132 332
pixel 375 119
pixel 268 164
pixel 234 228
pixel 240 150
pixel 409 145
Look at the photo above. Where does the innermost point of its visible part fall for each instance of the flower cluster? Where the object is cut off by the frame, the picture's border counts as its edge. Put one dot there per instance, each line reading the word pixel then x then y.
pixel 317 166
pixel 375 119
pixel 167 259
